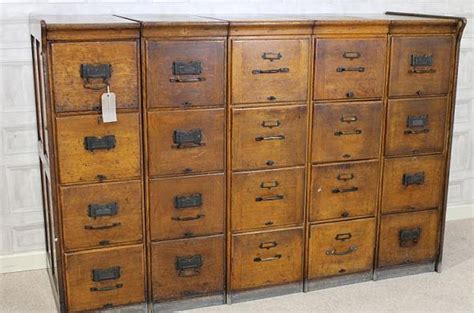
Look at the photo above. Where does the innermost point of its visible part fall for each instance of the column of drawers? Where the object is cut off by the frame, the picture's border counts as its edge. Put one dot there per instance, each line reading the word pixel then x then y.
pixel 415 148
pixel 269 94
pixel 99 171
pixel 185 87
pixel 349 84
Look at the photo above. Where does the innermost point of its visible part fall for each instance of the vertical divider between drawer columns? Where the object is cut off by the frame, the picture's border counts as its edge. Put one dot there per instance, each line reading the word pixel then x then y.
pixel 382 150
pixel 449 139
pixel 228 171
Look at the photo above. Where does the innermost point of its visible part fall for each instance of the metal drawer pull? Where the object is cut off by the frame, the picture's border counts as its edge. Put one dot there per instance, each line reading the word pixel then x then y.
pixel 421 70
pixel 92 143
pixel 273 258
pixel 99 227
pixel 187 138
pixel 263 138
pixel 348 132
pixel 416 131
pixel 188 218
pixel 339 190
pixel 269 198
pixel 268 245
pixel 188 266
pixel 118 286
pixel 271 124
pixel 187 80
pixel 409 237
pixel 351 55
pixel 345 177
pixel 269 185
pixel 343 236
pixel 96 71
pixel 348 251
pixel 274 71
pixel 349 119
pixel 271 56
pixel 350 69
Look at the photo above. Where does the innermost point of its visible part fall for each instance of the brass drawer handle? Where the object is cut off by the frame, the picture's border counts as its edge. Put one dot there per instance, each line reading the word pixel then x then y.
pixel 345 177
pixel 351 55
pixel 269 185
pixel 108 288
pixel 187 80
pixel 273 258
pixel 350 69
pixel 342 190
pixel 415 70
pixel 99 227
pixel 348 132
pixel 188 218
pixel 271 124
pixel 96 71
pixel 349 119
pixel 346 252
pixel 269 198
pixel 268 245
pixel 271 56
pixel 416 131
pixel 273 71
pixel 264 138
pixel 190 265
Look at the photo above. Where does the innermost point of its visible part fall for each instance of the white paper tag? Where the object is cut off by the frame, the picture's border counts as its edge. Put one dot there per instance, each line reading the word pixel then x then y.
pixel 109 110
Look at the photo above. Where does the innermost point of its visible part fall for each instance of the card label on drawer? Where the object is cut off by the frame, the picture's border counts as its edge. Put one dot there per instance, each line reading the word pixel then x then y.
pixel 109 107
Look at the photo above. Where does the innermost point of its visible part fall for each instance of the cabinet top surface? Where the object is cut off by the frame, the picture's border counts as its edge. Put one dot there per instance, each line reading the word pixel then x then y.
pixel 67 21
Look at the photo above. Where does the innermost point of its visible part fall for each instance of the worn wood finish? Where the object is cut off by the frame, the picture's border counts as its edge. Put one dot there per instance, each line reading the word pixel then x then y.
pixel 400 195
pixel 126 288
pixel 271 198
pixel 424 133
pixel 165 88
pixel 168 220
pixel 341 248
pixel 90 222
pixel 170 281
pixel 349 68
pixel 165 155
pixel 268 137
pixel 424 248
pixel 77 164
pixel 267 259
pixel 344 190
pixel 346 131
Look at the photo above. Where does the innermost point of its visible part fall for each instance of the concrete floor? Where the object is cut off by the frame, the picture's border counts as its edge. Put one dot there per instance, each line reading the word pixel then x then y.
pixel 450 291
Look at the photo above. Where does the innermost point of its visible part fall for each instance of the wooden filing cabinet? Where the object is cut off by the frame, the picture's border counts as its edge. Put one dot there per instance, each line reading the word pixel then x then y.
pixel 252 156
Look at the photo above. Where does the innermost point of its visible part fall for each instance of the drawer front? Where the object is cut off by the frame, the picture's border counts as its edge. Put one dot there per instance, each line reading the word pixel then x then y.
pixel 412 183
pixel 265 71
pixel 89 150
pixel 341 248
pixel 408 238
pixel 186 73
pixel 186 206
pixel 103 278
pixel 267 259
pixel 187 268
pixel 416 126
pixel 81 72
pixel 349 68
pixel 103 214
pixel 268 137
pixel 346 131
pixel 420 65
pixel 344 190
pixel 183 142
pixel 267 198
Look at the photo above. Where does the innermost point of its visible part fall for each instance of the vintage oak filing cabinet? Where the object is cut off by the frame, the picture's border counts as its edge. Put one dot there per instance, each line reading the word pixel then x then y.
pixel 250 156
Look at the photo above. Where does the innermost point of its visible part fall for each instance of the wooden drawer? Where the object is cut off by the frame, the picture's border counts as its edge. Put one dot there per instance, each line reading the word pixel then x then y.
pixel 183 142
pixel 346 131
pixel 344 190
pixel 270 70
pixel 89 150
pixel 341 248
pixel 185 73
pixel 412 183
pixel 267 259
pixel 349 68
pixel 408 238
pixel 416 126
pixel 268 137
pixel 103 278
pixel 187 268
pixel 82 70
pixel 101 214
pixel 186 206
pixel 267 198
pixel 420 65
